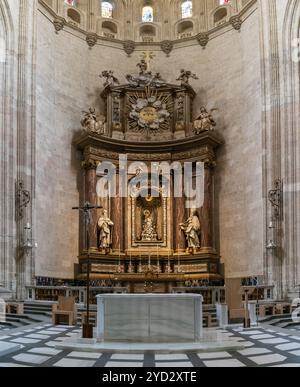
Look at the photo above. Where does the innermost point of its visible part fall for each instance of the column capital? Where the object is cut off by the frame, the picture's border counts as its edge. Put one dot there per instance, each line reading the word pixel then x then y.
pixel 209 163
pixel 89 164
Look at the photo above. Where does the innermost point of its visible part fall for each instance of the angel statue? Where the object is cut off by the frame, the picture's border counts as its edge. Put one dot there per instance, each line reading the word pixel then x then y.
pixel 110 79
pixel 192 229
pixel 204 122
pixel 91 123
pixel 185 76
pixel 143 66
pixel 105 225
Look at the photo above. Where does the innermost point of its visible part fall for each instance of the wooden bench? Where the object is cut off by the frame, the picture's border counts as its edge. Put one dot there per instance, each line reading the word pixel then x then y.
pixel 283 308
pixel 14 308
pixel 266 310
pixel 66 307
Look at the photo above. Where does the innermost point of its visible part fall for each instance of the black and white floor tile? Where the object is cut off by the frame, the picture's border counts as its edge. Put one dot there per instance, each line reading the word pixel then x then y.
pixel 263 348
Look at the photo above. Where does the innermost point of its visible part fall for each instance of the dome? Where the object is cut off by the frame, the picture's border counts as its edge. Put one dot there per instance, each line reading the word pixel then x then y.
pixel 146 21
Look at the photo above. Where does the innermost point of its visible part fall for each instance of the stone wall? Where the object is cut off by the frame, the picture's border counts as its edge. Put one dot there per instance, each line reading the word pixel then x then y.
pixel 68 82
pixel 17 131
pixel 252 79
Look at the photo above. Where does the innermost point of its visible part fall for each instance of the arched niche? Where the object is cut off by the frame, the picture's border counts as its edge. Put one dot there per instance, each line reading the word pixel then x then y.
pixel 109 29
pixel 74 16
pixel 185 28
pixel 147 33
pixel 220 16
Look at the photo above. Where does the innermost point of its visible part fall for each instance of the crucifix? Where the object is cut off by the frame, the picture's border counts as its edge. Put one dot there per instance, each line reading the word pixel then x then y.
pixel 148 56
pixel 87 328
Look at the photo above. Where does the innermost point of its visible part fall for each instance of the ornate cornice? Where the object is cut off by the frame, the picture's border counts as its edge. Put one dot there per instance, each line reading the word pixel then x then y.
pixel 166 46
pixel 96 148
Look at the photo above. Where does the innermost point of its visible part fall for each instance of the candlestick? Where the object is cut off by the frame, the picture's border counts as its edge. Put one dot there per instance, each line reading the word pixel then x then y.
pixel 140 265
pixel 169 264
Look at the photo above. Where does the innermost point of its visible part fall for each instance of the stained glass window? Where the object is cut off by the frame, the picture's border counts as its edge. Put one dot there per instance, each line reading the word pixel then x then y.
pixel 106 9
pixel 187 9
pixel 148 16
pixel 71 2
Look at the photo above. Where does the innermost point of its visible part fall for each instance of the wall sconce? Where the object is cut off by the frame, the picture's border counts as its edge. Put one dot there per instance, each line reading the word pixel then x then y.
pixel 275 198
pixel 28 244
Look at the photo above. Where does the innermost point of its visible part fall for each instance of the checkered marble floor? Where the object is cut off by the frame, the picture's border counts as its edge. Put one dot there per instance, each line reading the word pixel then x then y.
pixel 263 348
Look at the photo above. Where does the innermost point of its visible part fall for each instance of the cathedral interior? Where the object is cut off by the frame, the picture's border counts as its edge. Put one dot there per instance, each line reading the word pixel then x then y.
pixel 150 147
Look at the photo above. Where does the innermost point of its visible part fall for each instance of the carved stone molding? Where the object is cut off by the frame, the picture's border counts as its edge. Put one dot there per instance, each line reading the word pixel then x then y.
pixel 59 23
pixel 236 22
pixel 167 46
pixel 129 47
pixel 91 39
pixel 203 39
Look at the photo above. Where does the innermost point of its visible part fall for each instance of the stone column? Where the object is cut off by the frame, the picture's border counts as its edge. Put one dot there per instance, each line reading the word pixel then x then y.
pixel 117 216
pixel 90 167
pixel 206 218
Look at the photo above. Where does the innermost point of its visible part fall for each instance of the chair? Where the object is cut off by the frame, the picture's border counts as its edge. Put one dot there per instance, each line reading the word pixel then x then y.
pixel 66 307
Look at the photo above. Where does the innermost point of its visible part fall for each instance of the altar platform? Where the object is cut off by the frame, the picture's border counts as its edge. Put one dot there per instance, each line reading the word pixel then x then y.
pixel 213 340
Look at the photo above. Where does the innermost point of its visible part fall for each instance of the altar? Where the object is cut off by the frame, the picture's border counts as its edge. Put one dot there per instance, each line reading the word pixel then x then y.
pixel 148 161
pixel 149 318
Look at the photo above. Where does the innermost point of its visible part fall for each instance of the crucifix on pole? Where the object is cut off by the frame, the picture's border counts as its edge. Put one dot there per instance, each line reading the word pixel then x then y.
pixel 87 328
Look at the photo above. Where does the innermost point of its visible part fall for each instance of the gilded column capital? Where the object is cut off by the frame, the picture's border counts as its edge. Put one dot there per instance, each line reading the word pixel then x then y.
pixel 89 164
pixel 209 163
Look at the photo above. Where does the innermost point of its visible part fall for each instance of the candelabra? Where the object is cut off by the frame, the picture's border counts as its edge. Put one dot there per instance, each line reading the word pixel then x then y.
pixel 275 198
pixel 28 244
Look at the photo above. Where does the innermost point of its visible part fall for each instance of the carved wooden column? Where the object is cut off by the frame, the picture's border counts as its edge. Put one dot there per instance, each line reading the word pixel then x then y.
pixel 207 220
pixel 90 167
pixel 117 216
pixel 179 217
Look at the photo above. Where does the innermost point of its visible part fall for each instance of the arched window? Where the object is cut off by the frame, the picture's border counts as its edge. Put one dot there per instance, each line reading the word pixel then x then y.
pixel 187 9
pixel 71 2
pixel 106 9
pixel 148 14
